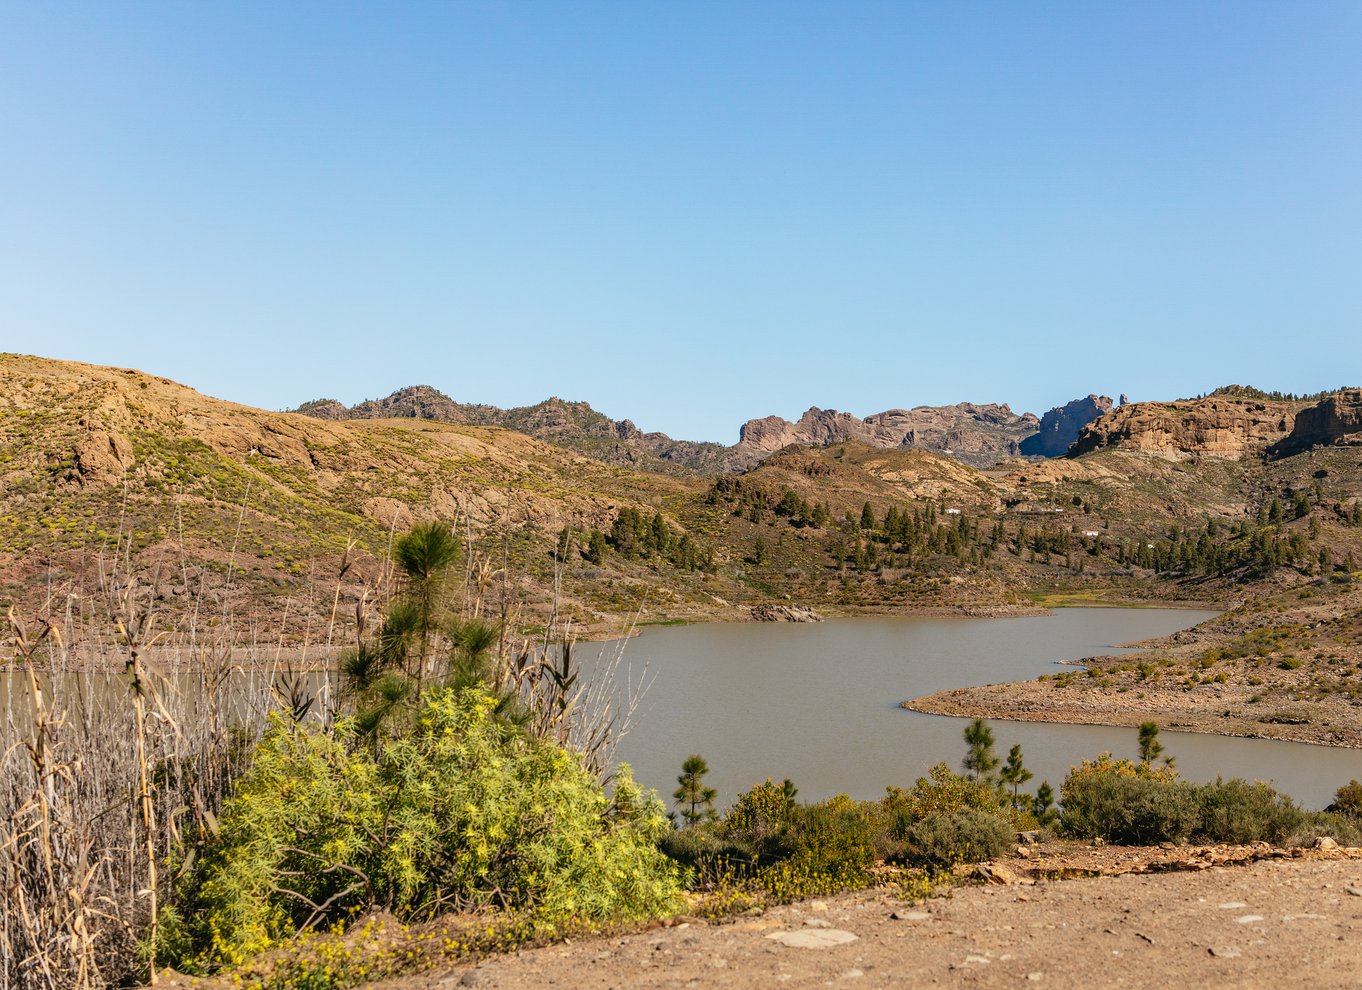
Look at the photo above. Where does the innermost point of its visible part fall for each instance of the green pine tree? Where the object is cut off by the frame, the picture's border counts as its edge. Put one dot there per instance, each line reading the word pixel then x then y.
pixel 980 760
pixel 694 800
pixel 1014 773
pixel 1150 747
pixel 1042 806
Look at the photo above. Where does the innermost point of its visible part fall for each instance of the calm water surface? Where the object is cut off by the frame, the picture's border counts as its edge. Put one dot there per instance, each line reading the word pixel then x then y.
pixel 819 704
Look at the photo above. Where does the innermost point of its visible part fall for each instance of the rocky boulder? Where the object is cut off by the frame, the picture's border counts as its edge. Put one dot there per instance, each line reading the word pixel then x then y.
pixel 784 613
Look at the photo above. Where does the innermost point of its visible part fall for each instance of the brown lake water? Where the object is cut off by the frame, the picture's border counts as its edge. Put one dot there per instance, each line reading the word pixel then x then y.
pixel 819 703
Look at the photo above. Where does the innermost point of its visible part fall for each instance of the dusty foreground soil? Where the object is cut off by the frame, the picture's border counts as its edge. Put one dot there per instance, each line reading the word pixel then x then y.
pixel 1275 922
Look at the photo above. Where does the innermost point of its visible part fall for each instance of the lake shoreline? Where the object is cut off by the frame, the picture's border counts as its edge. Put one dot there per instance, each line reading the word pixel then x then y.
pixel 1335 722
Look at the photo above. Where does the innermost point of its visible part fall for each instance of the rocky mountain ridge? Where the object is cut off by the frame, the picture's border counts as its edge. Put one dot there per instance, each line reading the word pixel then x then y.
pixel 1335 421
pixel 979 435
pixel 573 425
pixel 1230 423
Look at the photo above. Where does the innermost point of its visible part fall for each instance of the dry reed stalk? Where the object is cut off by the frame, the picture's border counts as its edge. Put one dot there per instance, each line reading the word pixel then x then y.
pixel 94 803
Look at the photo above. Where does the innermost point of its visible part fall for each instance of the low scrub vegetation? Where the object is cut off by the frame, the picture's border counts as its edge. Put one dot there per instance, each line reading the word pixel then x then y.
pixel 1134 803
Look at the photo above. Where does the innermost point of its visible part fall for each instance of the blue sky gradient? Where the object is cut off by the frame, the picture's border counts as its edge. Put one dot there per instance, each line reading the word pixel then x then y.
pixel 687 214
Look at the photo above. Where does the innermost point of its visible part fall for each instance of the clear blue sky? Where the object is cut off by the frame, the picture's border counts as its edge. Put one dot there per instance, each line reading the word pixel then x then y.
pixel 687 213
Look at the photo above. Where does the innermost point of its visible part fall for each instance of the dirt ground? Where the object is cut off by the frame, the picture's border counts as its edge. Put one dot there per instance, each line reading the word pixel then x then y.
pixel 1192 918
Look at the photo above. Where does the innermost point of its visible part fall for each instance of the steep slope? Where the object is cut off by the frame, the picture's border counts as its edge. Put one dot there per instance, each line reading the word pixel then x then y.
pixel 102 463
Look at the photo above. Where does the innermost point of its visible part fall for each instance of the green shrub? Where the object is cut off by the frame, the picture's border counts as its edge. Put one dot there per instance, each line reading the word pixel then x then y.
pixel 1237 811
pixel 1348 800
pixel 700 847
pixel 941 791
pixel 968 835
pixel 461 812
pixel 835 840
pixel 1317 824
pixel 759 819
pixel 1127 802
pixel 768 849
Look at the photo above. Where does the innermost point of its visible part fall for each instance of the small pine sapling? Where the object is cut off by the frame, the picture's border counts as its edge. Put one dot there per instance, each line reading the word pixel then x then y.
pixel 980 760
pixel 1014 774
pixel 1150 747
pixel 694 800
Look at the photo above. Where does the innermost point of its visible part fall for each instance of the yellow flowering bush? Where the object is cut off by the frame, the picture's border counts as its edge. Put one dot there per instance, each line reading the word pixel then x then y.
pixel 463 811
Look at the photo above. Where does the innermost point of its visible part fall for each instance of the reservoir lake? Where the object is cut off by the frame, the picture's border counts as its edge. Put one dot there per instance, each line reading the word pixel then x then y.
pixel 819 704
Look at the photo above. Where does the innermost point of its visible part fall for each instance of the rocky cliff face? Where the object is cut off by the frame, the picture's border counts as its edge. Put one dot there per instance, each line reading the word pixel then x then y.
pixel 1060 427
pixel 978 435
pixel 1335 421
pixel 1217 426
pixel 573 425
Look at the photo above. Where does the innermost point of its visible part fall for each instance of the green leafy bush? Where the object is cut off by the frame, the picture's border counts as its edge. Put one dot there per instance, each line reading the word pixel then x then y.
pixel 462 811
pixel 1136 804
pixel 701 846
pixel 1127 802
pixel 1237 811
pixel 1317 824
pixel 941 790
pixel 1348 800
pixel 943 838
pixel 760 818
pixel 835 840
pixel 769 849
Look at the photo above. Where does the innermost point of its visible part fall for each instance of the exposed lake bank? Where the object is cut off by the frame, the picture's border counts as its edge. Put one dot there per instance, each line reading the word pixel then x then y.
pixel 1229 711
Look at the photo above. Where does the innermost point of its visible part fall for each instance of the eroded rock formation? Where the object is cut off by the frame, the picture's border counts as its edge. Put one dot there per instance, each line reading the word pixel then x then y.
pixel 1335 421
pixel 1217 426
pixel 1060 427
